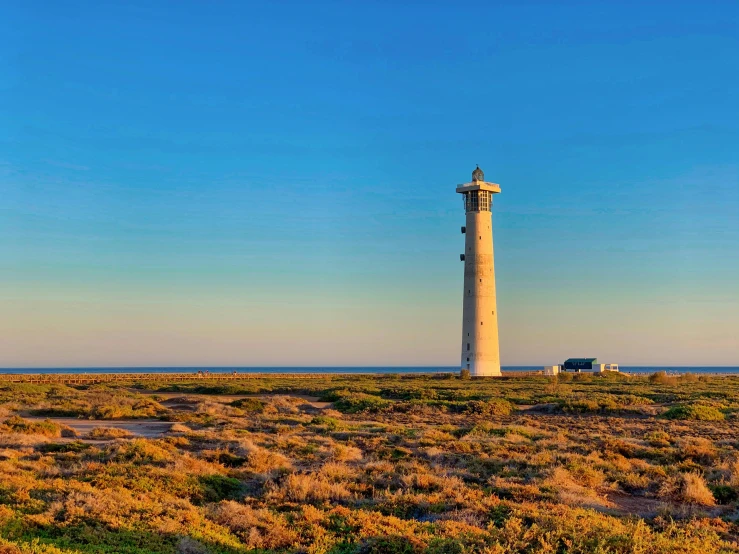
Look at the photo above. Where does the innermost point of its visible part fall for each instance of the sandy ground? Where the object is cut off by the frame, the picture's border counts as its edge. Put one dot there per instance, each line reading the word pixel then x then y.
pixel 153 428
pixel 150 428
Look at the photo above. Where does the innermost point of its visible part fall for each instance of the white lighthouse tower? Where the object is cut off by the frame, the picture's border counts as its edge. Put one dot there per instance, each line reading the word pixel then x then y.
pixel 480 351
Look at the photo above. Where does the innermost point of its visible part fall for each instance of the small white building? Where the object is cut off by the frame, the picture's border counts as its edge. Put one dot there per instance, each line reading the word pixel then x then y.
pixel 600 368
pixel 551 370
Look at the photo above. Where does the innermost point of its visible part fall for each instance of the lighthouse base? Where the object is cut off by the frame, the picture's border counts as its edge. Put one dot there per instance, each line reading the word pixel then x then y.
pixel 483 369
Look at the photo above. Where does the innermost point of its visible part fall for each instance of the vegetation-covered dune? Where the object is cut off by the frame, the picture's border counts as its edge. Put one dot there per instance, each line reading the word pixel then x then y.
pixel 373 464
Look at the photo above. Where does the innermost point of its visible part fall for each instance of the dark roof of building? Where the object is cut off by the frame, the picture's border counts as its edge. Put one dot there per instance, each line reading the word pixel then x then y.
pixel 584 360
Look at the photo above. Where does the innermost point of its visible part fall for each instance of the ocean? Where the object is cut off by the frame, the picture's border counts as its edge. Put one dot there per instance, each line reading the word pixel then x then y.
pixel 349 370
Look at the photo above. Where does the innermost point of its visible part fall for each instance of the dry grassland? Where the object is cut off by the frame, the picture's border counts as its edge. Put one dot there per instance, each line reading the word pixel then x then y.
pixel 373 464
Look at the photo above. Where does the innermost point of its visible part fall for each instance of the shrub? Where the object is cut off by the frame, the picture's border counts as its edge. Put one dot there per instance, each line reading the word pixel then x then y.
pixel 698 412
pixel 331 423
pixel 359 402
pixel 582 405
pixel 250 405
pixel 695 490
pixel 53 447
pixel 140 451
pixel 658 438
pixel 724 494
pixel 465 374
pixel 688 487
pixel 388 545
pixel 445 546
pixel 46 428
pixel 661 378
pixel 261 460
pixel 258 528
pixel 495 407
pixel 218 487
pixel 310 488
pixel 345 453
pixel 126 408
pixel 107 433
pixel 179 428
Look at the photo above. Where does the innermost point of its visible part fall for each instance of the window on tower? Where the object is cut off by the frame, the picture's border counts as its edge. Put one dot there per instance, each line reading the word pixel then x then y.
pixel 477 201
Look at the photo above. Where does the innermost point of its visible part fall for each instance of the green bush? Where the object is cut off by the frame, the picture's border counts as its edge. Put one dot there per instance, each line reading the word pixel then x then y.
pixel 355 402
pixel 658 439
pixel 218 487
pixel 331 423
pixel 445 546
pixel 61 447
pixel 387 545
pixel 251 405
pixel 697 412
pixel 495 407
pixel 724 494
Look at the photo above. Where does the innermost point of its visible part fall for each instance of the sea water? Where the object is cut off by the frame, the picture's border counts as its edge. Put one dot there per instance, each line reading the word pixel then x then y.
pixel 349 369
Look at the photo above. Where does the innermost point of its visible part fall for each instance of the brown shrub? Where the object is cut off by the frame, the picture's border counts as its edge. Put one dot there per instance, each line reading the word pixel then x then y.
pixel 106 433
pixel 687 488
pixel 338 471
pixel 699 449
pixel 261 460
pixel 258 528
pixel 179 428
pixel 343 453
pixel 309 488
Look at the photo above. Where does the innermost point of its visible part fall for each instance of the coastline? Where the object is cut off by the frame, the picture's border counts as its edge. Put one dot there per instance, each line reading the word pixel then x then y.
pixel 6 374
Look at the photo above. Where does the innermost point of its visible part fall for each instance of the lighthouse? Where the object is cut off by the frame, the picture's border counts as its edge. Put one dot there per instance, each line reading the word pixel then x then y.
pixel 480 351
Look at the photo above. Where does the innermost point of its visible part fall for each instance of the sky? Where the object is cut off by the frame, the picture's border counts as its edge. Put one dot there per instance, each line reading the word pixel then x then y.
pixel 272 183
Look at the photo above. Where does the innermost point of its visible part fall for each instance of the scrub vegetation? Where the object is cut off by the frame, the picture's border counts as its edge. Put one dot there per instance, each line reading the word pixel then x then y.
pixel 372 464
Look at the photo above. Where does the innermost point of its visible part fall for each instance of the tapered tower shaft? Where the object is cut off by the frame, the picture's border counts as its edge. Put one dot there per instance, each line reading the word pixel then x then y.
pixel 480 349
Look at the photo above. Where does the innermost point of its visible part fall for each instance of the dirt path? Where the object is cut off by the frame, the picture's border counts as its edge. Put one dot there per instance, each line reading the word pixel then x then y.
pixel 148 428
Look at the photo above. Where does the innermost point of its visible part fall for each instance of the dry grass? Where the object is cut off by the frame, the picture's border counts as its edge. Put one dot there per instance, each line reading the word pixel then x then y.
pixel 689 488
pixel 108 433
pixel 413 465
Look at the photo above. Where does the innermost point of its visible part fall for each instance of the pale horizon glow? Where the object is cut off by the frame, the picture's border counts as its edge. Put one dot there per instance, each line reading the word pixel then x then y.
pixel 244 201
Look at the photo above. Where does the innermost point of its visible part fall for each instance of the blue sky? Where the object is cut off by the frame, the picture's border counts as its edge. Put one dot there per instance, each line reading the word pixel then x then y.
pixel 273 183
